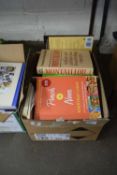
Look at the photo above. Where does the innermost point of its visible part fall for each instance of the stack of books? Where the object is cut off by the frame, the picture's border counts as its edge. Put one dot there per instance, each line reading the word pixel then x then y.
pixel 66 87
pixel 11 75
pixel 70 62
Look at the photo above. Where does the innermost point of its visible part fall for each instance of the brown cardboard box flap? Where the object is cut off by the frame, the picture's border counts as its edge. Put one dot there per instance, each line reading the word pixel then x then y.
pixel 3 117
pixel 12 52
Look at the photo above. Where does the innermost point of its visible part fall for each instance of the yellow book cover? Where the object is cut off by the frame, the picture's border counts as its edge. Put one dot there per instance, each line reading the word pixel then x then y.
pixel 70 42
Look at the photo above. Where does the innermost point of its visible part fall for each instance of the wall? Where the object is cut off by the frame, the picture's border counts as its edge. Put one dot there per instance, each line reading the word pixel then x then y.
pixel 31 19
pixel 111 20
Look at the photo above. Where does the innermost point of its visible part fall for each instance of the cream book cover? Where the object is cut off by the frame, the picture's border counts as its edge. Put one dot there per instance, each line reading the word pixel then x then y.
pixel 65 62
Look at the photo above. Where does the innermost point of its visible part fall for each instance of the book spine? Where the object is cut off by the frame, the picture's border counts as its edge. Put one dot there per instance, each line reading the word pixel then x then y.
pixel 69 71
pixel 15 99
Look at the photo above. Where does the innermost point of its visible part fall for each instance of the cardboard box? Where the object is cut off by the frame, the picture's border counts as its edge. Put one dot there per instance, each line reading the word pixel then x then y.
pixel 66 130
pixel 11 53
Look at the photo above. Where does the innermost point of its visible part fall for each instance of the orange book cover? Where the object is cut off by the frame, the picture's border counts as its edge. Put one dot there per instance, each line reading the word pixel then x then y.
pixel 64 98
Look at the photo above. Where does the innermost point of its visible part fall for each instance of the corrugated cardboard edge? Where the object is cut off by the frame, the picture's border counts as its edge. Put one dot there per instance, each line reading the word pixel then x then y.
pixel 23 81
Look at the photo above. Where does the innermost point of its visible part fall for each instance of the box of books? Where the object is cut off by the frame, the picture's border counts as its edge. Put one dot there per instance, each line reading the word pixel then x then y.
pixel 65 98
pixel 12 68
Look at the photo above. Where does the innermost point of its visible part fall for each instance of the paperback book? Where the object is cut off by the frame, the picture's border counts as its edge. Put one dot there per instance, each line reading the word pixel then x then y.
pixel 69 98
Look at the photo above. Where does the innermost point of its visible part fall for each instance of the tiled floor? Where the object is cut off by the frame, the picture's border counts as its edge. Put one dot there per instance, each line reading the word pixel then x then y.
pixel 20 156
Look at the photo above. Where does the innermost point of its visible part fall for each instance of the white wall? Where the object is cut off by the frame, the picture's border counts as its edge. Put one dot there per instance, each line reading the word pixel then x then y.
pixel 31 19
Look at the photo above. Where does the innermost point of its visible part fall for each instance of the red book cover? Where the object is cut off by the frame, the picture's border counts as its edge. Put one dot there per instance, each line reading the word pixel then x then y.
pixel 66 98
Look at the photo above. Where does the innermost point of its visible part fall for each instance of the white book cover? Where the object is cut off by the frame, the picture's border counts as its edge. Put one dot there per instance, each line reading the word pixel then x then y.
pixel 10 81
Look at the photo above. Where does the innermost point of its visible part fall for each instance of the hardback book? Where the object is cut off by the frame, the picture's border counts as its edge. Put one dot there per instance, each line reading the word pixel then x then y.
pixel 67 98
pixel 65 62
pixel 29 102
pixel 70 42
pixel 11 75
